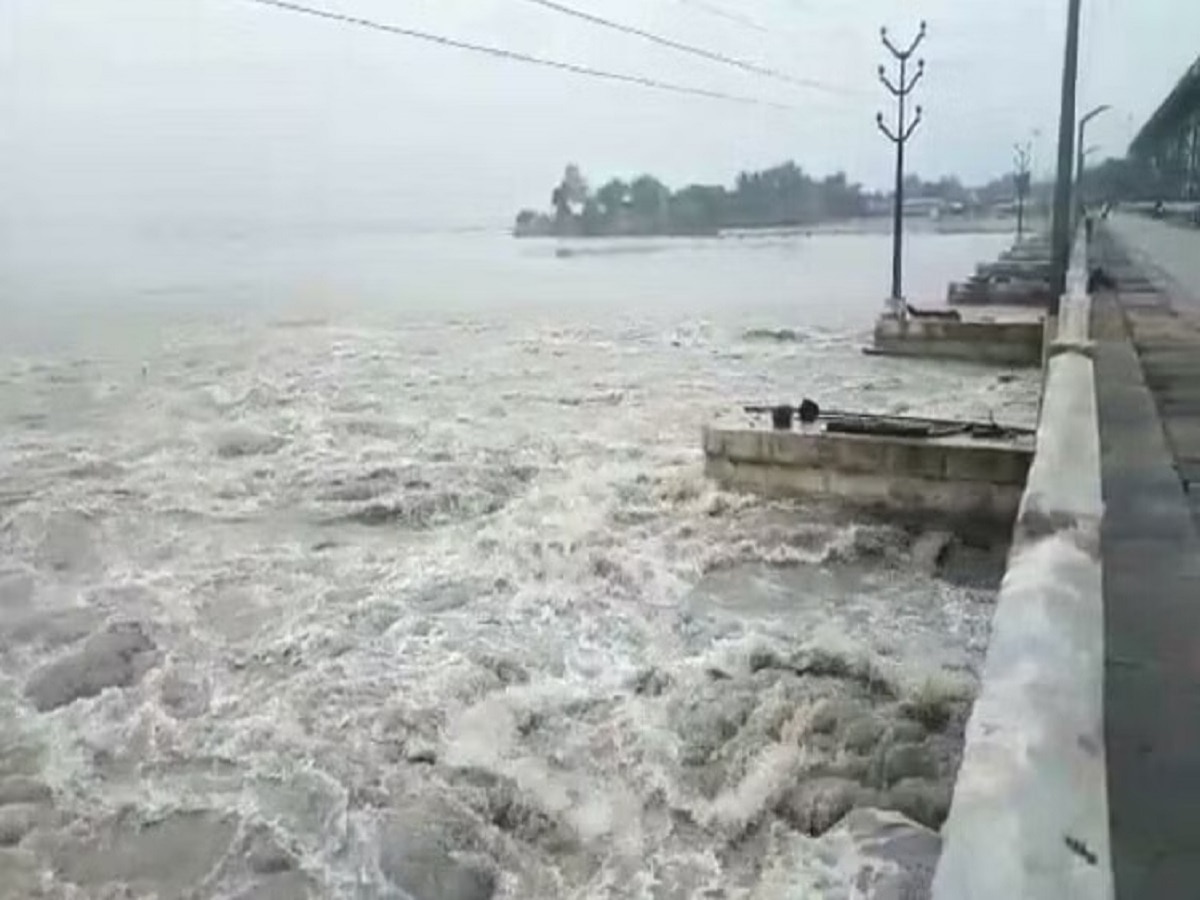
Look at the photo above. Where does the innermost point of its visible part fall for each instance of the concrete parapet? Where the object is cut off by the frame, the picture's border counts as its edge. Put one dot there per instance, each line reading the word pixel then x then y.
pixel 1030 812
pixel 1000 343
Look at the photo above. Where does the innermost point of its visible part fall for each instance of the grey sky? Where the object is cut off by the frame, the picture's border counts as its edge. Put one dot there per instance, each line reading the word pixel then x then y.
pixel 172 110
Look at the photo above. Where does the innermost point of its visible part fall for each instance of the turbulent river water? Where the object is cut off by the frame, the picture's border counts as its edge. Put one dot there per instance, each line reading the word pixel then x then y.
pixel 386 568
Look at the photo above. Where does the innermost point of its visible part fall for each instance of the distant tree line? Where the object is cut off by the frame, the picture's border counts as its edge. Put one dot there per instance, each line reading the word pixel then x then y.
pixel 778 197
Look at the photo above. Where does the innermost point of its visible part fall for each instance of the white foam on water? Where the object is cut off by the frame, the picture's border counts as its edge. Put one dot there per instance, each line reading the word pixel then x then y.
pixel 470 567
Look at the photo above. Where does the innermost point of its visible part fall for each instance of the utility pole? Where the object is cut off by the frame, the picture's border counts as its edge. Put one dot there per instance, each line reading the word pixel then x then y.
pixel 1060 246
pixel 904 130
pixel 1021 179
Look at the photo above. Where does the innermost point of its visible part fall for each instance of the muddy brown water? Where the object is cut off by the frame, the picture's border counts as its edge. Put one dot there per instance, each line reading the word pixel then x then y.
pixel 389 570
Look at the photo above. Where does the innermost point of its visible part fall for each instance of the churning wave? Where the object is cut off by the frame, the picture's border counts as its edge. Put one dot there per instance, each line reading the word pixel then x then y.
pixel 350 612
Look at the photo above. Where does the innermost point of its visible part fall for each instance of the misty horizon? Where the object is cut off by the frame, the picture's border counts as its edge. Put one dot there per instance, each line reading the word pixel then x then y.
pixel 128 112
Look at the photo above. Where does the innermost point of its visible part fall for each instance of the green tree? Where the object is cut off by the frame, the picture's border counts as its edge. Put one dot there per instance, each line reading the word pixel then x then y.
pixel 570 195
pixel 648 198
pixel 914 187
pixel 591 218
pixel 842 200
pixel 781 195
pixel 699 208
pixel 950 189
pixel 613 197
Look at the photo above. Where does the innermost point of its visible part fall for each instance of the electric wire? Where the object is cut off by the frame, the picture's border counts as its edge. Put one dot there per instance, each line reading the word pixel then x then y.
pixel 689 49
pixel 516 56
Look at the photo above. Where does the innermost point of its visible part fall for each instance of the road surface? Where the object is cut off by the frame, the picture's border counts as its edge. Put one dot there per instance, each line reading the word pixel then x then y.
pixel 1148 393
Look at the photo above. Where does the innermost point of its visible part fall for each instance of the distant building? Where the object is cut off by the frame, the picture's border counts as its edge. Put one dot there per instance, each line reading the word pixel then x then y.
pixel 924 207
pixel 876 205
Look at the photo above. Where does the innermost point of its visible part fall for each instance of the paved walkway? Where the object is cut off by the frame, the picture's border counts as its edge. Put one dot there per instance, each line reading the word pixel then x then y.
pixel 1165 326
pixel 1148 392
pixel 1173 248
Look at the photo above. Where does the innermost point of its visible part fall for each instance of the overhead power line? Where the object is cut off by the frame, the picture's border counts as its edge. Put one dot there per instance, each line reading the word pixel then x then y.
pixel 690 49
pixel 714 10
pixel 515 56
pixel 760 25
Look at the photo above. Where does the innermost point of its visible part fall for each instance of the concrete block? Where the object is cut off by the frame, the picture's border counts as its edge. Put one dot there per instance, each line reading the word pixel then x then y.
pixel 916 460
pixel 998 343
pixel 1014 268
pixel 980 293
pixel 955 476
pixel 979 503
pixel 989 465
pixel 856 454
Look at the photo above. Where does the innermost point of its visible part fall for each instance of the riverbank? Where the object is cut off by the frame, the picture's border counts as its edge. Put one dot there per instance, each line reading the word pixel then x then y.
pixel 871 225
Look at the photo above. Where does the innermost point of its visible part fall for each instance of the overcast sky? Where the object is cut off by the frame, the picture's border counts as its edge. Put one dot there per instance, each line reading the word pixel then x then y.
pixel 136 111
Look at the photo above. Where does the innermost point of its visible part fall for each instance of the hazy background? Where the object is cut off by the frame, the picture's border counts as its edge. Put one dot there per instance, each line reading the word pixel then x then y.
pixel 145 114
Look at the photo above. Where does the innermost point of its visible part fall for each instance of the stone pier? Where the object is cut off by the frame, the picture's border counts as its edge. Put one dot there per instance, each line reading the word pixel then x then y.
pixel 951 477
pixel 1012 343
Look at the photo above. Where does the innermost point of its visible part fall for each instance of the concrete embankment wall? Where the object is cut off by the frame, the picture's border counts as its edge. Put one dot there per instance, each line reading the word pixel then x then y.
pixel 956 478
pixel 1029 817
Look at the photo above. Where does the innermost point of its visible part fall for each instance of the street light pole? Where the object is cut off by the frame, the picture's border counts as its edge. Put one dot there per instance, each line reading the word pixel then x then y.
pixel 904 130
pixel 1061 231
pixel 1081 153
pixel 1021 179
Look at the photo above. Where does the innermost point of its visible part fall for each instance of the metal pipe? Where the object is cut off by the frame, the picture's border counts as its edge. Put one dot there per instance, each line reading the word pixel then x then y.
pixel 760 409
pixel 1082 154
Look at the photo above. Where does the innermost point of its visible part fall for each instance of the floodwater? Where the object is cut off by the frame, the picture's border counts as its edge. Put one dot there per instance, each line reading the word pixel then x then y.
pixel 383 566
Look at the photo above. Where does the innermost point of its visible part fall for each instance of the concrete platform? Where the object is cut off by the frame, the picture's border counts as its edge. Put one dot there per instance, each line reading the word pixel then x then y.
pixel 1005 343
pixel 956 477
pixel 1039 254
pixel 1020 277
pixel 1028 252
pixel 1014 269
pixel 978 292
